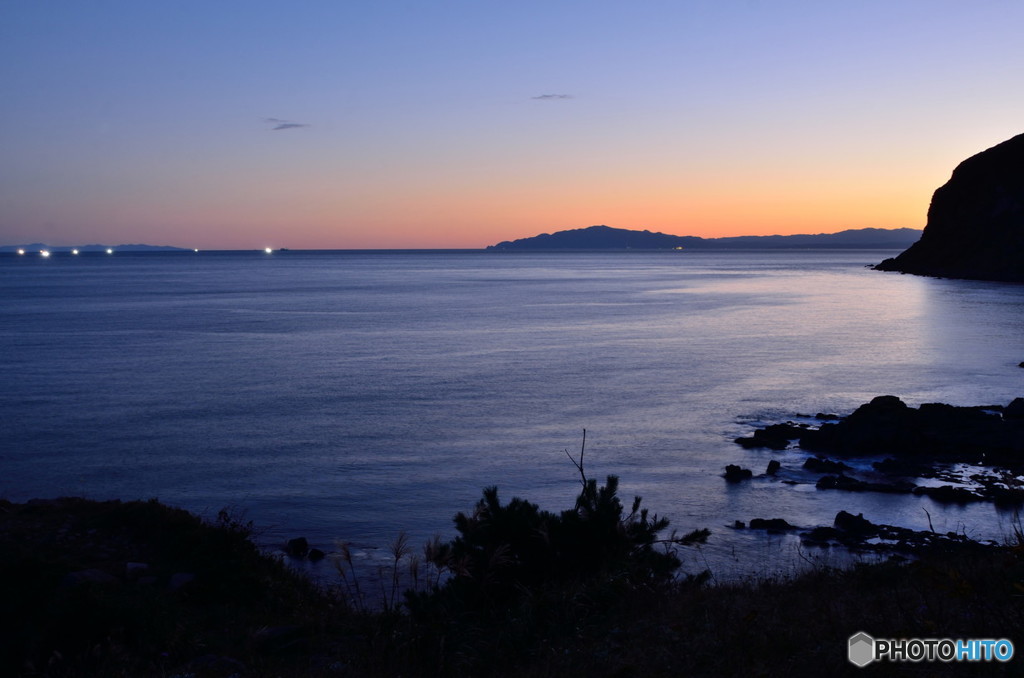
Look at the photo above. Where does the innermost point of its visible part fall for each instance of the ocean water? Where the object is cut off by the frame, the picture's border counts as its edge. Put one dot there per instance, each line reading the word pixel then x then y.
pixel 353 395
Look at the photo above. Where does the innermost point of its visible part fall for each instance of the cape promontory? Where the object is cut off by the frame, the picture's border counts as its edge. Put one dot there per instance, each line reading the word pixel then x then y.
pixel 975 226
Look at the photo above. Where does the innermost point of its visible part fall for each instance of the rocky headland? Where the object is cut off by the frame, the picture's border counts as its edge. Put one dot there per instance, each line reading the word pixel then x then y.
pixel 975 227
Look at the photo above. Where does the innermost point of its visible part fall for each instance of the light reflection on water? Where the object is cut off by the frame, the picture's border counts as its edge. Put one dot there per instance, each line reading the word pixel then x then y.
pixel 355 395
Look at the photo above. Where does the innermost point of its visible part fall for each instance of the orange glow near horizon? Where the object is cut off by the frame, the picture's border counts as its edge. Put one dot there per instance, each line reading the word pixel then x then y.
pixel 442 212
pixel 373 127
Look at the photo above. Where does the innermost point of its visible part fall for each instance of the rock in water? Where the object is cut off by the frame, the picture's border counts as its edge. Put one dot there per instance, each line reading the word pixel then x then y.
pixel 297 548
pixel 854 524
pixel 771 524
pixel 975 224
pixel 735 474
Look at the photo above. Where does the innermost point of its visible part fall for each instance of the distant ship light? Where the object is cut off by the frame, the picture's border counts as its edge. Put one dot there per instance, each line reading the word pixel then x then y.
pixel 268 250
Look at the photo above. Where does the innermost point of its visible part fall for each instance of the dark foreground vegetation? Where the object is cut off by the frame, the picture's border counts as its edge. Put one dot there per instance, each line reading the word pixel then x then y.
pixel 141 589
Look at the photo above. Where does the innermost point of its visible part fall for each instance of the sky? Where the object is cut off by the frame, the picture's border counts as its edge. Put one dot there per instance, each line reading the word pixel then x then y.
pixel 458 124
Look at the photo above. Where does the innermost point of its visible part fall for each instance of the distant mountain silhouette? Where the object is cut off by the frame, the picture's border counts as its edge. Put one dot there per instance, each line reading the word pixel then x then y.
pixel 975 226
pixel 607 238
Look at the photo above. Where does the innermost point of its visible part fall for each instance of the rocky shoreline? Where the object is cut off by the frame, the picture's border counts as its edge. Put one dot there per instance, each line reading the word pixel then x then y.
pixel 858 534
pixel 140 588
pixel 905 445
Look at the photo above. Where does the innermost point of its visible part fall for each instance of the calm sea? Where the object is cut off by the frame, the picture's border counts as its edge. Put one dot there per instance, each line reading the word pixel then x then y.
pixel 352 395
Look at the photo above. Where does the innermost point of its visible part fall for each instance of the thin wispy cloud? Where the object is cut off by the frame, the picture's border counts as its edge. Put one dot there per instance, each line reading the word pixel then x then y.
pixel 279 124
pixel 551 97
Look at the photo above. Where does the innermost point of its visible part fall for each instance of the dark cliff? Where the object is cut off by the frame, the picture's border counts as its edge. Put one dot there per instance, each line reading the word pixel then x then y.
pixel 975 226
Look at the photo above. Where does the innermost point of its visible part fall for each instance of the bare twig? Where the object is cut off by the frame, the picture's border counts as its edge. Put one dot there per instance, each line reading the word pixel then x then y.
pixel 929 520
pixel 579 464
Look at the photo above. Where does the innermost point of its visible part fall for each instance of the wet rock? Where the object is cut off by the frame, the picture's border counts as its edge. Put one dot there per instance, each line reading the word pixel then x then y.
pixel 854 524
pixel 839 482
pixel 316 554
pixel 735 474
pixel 878 427
pixel 739 525
pixel 775 436
pixel 773 467
pixel 297 548
pixel 902 467
pixel 821 535
pixel 887 426
pixel 771 524
pixel 844 482
pixel 822 465
pixel 854 532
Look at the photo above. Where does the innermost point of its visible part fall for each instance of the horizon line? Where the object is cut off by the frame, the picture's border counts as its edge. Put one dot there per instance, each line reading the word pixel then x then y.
pixel 258 248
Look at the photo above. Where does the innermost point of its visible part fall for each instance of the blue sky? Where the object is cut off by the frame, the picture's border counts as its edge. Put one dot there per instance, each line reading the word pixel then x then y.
pixel 459 124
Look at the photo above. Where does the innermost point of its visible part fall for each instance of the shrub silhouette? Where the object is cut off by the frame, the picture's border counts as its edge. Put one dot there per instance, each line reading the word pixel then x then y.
pixel 505 553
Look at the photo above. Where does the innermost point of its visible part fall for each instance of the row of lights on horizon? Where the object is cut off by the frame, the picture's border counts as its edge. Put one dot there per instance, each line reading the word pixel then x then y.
pixel 46 253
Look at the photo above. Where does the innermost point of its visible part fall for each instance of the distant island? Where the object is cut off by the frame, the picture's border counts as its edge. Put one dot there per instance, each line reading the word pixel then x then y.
pixel 608 238
pixel 37 246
